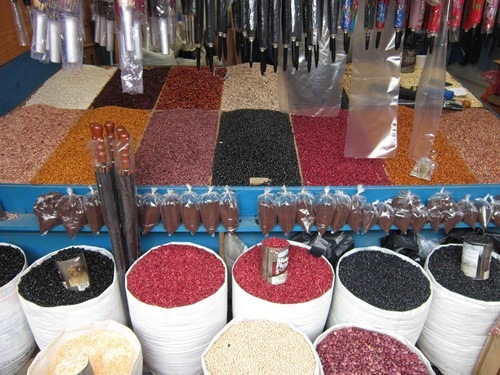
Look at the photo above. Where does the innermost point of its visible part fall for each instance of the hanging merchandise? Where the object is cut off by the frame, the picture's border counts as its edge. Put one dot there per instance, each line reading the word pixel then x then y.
pixel 495 210
pixel 416 19
pixel 400 16
pixel 262 31
pixel 343 205
pixel 488 19
pixel 50 307
pixel 462 313
pixel 18 344
pixel 190 210
pixel 210 31
pixel 295 301
pixel 45 210
pixel 419 217
pixel 370 9
pixel 229 212
pixel 433 23
pixel 71 16
pixel 97 17
pixel 324 209
pixel 286 203
pixel 39 25
pixel 171 211
pixel 472 15
pixel 430 94
pixel 109 19
pixel 237 24
pixel 373 96
pixel 333 22
pixel 355 218
pixel 305 211
pixel 251 9
pixel 385 216
pixel 198 30
pixel 457 11
pixel 370 215
pixel 209 210
pixel 22 34
pixel 381 17
pixel 163 25
pixel 383 290
pixel 54 31
pixel 93 211
pixel 275 30
pixel 470 211
pixel 484 211
pixel 71 210
pixel 267 211
pixel 177 294
pixel 149 211
pixel 318 92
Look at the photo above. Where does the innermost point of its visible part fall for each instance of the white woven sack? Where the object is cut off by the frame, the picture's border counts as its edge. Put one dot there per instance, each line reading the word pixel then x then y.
pixel 457 328
pixel 173 339
pixel 347 308
pixel 410 346
pixel 43 360
pixel 318 370
pixel 47 322
pixel 16 340
pixel 308 317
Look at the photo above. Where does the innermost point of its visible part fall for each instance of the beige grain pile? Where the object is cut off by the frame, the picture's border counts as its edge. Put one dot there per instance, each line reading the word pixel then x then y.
pixel 72 89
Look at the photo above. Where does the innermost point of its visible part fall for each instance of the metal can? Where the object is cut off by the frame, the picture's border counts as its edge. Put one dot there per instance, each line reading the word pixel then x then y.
pixel 274 265
pixel 476 256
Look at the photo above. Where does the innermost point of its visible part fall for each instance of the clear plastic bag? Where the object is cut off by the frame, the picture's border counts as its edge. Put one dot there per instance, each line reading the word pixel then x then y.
pixel 484 211
pixel 149 210
pixel 470 211
pixel 343 206
pixel 436 204
pixel 495 211
pixel 46 212
pixel 267 209
pixel 402 219
pixel 419 217
pixel 72 35
pixel 170 211
pixel 71 211
pixel 355 219
pixel 369 216
pixel 93 210
pixel 406 199
pixel 190 210
pixel 286 203
pixel 229 212
pixel 22 34
pixel 452 215
pixel 305 212
pixel 39 24
pixel 385 216
pixel 324 209
pixel 209 210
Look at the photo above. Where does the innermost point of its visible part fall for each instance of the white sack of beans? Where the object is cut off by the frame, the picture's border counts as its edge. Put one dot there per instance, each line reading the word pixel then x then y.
pixel 177 298
pixel 110 347
pixel 262 347
pixel 374 276
pixel 457 326
pixel 48 322
pixel 16 340
pixel 303 300
pixel 355 349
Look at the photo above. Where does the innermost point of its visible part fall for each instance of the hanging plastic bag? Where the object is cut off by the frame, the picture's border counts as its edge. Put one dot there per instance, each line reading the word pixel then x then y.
pixel 342 210
pixel 149 211
pixel 495 210
pixel 93 210
pixel 286 203
pixel 484 211
pixel 72 34
pixel 268 214
pixel 436 203
pixel 419 217
pixel 190 210
pixel 452 215
pixel 469 210
pixel 355 219
pixel 71 211
pixel 402 219
pixel 406 199
pixel 45 211
pixel 369 216
pixel 385 216
pixel 229 212
pixel 209 210
pixel 324 209
pixel 305 212
pixel 39 25
pixel 170 211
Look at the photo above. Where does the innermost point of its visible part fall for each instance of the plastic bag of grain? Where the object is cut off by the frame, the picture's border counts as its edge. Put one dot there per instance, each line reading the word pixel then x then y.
pixel 260 346
pixel 177 296
pixel 16 341
pixel 303 300
pixel 383 290
pixel 51 308
pixel 110 347
pixel 462 313
pixel 354 349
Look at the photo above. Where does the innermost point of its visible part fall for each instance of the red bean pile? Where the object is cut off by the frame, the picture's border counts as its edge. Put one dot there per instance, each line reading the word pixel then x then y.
pixel 175 275
pixel 353 350
pixel 308 277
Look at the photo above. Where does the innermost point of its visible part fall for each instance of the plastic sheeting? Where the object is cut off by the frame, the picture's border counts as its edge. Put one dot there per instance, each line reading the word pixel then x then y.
pixel 373 97
pixel 318 92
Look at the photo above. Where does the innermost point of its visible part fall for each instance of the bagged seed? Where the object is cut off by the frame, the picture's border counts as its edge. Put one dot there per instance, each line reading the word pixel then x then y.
pixel 342 210
pixel 402 219
pixel 149 210
pixel 406 200
pixel 484 211
pixel 305 213
pixel 190 210
pixel 45 211
pixel 419 217
pixel 229 212
pixel 93 210
pixel 469 210
pixel 286 203
pixel 369 216
pixel 355 219
pixel 495 211
pixel 267 209
pixel 324 209
pixel 170 211
pixel 71 211
pixel 386 216
pixel 209 210
pixel 452 215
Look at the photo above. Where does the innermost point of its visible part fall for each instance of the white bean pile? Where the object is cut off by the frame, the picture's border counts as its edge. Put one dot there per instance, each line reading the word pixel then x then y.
pixel 260 347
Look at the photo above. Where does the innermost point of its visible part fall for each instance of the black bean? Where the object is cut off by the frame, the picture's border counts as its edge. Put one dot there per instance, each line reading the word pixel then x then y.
pixel 384 280
pixel 11 263
pixel 42 284
pixel 444 265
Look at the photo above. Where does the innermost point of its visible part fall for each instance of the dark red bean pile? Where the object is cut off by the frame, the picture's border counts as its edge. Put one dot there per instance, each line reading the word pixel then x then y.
pixel 444 265
pixel 354 350
pixel 175 275
pixel 308 277
pixel 384 280
pixel 11 263
pixel 42 284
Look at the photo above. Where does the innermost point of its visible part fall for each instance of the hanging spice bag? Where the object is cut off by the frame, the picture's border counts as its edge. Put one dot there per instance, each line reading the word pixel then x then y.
pixel 260 346
pixel 382 290
pixel 110 347
pixel 303 300
pixel 177 297
pixel 457 326
pixel 356 349
pixel 14 329
pixel 47 322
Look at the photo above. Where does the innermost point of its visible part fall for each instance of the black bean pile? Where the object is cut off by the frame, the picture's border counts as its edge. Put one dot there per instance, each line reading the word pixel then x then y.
pixel 384 280
pixel 11 263
pixel 42 284
pixel 444 265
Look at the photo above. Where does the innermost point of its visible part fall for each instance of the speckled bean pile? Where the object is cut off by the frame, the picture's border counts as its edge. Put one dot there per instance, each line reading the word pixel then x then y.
pixel 260 347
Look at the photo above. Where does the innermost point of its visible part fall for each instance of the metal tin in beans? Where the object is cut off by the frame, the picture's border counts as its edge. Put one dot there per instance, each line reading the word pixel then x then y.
pixel 476 256
pixel 274 266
